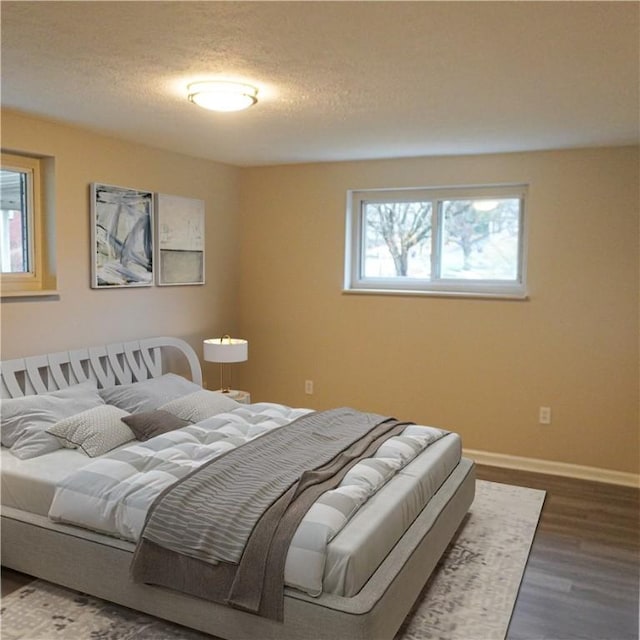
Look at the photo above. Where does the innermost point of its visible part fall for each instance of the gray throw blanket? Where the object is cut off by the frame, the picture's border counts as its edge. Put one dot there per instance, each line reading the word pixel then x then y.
pixel 222 533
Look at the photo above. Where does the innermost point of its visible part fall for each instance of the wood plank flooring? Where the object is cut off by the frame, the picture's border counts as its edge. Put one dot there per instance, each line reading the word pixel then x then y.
pixel 582 578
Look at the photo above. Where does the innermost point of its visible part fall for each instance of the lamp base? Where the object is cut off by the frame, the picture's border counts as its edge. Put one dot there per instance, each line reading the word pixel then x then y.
pixel 244 397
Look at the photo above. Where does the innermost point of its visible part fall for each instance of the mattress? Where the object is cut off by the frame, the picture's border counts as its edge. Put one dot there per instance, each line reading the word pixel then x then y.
pixel 357 550
pixel 29 485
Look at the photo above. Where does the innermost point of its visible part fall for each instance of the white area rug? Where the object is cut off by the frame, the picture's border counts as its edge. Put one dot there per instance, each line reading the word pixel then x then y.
pixel 470 595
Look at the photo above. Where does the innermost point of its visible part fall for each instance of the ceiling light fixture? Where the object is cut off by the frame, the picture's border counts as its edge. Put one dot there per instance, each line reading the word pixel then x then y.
pixel 222 95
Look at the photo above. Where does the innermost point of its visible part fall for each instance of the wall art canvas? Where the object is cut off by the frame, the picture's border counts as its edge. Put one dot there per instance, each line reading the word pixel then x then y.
pixel 180 240
pixel 121 237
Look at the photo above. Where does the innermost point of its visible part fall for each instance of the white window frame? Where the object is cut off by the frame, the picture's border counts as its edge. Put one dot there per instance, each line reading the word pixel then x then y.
pixel 31 280
pixel 356 282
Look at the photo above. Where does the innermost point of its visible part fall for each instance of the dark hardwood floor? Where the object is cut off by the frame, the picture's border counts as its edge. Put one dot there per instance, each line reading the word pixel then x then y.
pixel 582 578
pixel 583 574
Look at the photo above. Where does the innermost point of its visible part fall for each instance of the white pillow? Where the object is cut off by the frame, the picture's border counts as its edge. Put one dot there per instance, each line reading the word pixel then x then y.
pixel 24 420
pixel 148 395
pixel 200 405
pixel 95 431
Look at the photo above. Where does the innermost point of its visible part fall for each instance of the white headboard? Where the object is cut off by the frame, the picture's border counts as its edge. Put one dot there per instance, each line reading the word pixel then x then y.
pixel 109 365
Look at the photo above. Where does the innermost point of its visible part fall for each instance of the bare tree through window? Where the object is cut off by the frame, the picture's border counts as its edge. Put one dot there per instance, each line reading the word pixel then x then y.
pixel 401 228
pixel 486 231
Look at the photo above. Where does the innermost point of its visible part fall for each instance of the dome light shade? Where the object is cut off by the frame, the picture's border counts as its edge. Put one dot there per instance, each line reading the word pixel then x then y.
pixel 222 95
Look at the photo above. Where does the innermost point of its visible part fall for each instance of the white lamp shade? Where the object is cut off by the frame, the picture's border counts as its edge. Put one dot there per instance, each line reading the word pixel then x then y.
pixel 226 350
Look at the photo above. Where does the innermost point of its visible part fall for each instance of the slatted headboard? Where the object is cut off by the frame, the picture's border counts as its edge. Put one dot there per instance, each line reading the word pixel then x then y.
pixel 109 365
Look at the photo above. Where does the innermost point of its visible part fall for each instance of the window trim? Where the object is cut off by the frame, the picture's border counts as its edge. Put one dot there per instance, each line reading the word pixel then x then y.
pixel 41 279
pixel 355 282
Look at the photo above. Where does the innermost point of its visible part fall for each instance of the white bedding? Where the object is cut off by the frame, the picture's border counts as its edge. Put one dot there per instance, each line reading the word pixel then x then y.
pixel 363 544
pixel 351 556
pixel 29 485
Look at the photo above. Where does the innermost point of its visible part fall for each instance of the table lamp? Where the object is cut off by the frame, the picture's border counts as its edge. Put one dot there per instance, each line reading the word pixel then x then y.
pixel 225 350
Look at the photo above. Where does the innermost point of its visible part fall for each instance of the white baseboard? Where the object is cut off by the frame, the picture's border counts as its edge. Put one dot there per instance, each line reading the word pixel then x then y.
pixel 553 468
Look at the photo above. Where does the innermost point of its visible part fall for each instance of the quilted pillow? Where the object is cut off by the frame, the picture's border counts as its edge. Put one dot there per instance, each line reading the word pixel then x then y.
pixel 25 420
pixel 200 405
pixel 148 424
pixel 148 394
pixel 95 431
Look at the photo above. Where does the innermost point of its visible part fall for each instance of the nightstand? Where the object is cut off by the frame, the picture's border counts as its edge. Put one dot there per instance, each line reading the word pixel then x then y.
pixel 243 397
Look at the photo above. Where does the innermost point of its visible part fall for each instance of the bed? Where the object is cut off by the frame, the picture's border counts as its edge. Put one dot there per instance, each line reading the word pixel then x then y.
pixel 375 566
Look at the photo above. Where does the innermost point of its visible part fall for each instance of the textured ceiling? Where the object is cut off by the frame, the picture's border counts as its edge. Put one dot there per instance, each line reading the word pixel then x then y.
pixel 337 80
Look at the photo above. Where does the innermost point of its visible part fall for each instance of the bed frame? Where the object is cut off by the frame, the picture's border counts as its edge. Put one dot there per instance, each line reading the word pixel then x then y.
pixel 99 565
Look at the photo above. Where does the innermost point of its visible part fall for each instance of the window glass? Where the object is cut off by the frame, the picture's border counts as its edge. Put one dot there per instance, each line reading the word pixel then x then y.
pixel 480 239
pixel 14 231
pixel 397 239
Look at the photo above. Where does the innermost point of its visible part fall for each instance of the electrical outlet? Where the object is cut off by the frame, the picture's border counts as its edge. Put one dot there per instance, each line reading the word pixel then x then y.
pixel 308 387
pixel 544 415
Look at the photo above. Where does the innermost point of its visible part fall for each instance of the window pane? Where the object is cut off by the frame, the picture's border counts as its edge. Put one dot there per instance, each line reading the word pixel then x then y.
pixel 396 239
pixel 14 252
pixel 480 239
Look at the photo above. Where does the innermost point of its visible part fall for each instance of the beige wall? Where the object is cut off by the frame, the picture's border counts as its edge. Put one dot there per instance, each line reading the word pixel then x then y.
pixel 480 367
pixel 476 366
pixel 83 316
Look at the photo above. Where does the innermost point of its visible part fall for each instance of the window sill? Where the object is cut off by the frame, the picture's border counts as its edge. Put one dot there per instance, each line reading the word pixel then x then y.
pixel 519 297
pixel 36 293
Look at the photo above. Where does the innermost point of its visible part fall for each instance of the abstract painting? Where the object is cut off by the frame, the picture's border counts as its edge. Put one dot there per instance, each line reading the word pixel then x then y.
pixel 121 237
pixel 180 240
